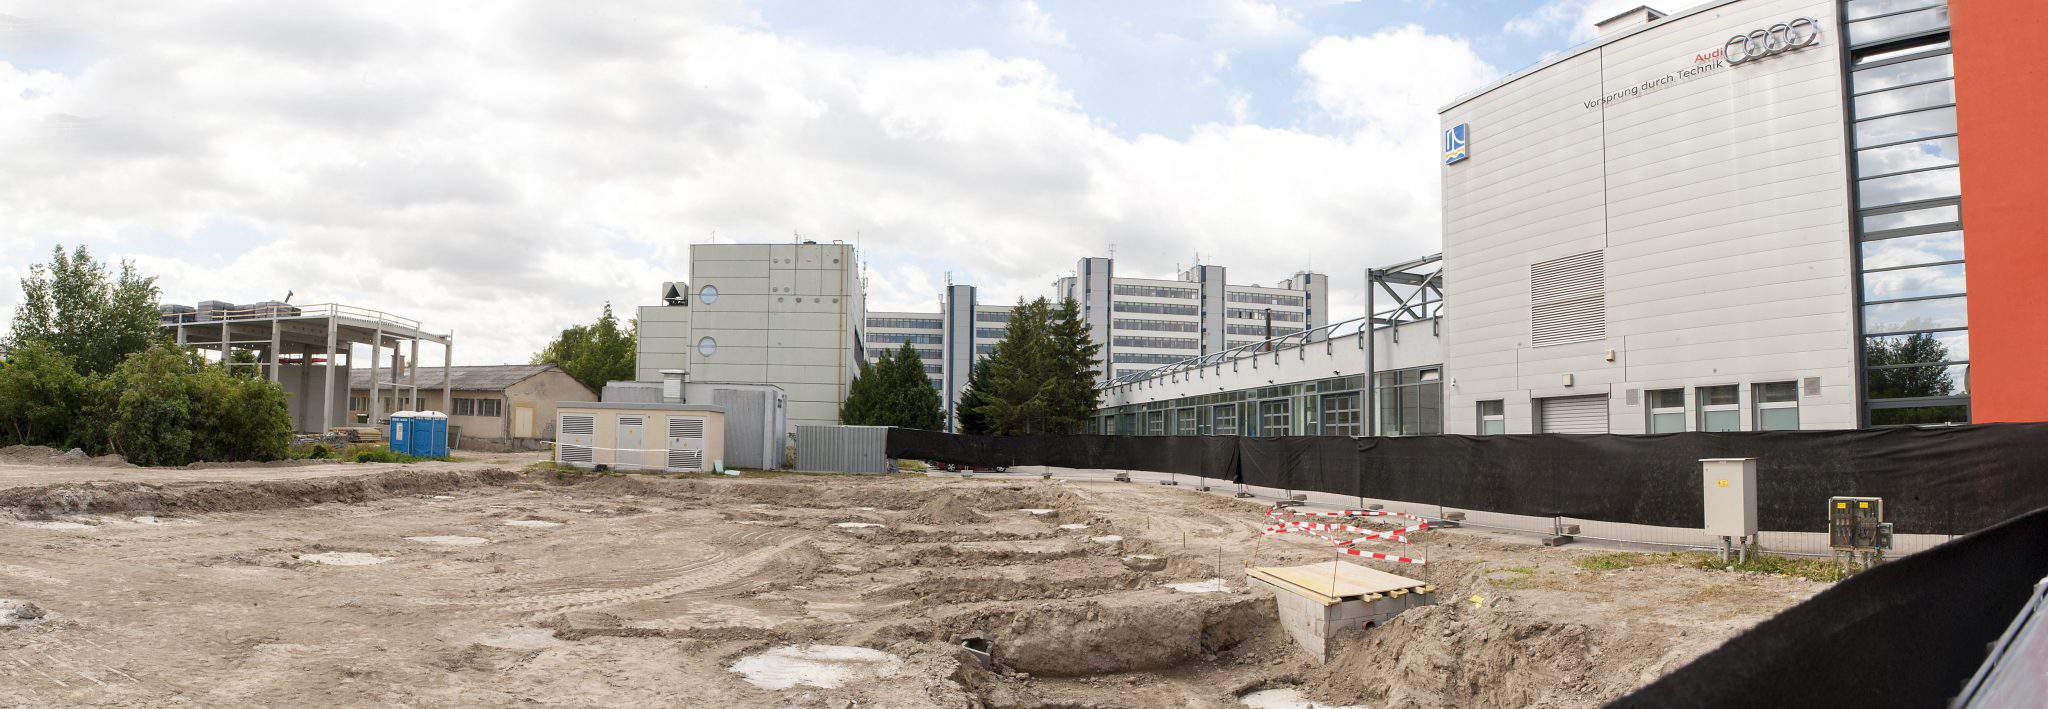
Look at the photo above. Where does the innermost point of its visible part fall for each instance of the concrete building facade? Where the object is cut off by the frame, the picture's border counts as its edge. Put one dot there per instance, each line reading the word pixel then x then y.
pixel 488 406
pixel 1144 323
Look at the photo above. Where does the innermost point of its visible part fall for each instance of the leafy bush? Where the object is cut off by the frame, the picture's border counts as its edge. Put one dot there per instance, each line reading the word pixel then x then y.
pixel 41 394
pixel 159 406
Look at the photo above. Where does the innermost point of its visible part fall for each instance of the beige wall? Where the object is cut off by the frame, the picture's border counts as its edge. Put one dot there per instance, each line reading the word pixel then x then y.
pixel 648 453
pixel 537 394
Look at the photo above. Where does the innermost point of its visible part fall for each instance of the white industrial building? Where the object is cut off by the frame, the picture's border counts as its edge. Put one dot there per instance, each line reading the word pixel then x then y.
pixel 1143 323
pixel 1676 227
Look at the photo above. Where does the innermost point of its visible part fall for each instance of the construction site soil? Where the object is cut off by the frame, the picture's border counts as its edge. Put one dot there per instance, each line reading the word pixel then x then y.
pixel 489 584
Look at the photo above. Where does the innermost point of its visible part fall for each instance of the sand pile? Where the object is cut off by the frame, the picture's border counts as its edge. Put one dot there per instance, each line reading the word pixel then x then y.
pixel 945 508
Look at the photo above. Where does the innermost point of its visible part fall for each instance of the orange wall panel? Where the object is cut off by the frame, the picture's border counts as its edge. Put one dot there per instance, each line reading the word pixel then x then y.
pixel 2001 108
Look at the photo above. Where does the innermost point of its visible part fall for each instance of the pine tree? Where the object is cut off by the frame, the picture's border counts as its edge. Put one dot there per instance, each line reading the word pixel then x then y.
pixel 973 400
pixel 1073 359
pixel 893 391
pixel 1041 377
pixel 859 407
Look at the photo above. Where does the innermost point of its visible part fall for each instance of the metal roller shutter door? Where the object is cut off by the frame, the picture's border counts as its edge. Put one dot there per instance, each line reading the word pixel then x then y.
pixel 1574 414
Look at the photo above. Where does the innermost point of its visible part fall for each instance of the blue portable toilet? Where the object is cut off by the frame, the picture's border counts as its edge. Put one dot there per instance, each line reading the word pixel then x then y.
pixel 429 434
pixel 398 434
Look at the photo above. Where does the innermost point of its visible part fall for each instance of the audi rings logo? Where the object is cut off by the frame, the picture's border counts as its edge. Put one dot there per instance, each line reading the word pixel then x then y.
pixel 1776 39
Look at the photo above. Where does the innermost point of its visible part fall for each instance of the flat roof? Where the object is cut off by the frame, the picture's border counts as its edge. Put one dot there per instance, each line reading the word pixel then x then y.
pixel 1584 48
pixel 635 406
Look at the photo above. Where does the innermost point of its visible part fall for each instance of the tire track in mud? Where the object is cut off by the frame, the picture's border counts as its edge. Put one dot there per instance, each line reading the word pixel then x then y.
pixel 722 568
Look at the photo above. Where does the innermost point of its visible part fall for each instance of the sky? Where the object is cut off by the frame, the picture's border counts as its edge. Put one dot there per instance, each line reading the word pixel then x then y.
pixel 502 170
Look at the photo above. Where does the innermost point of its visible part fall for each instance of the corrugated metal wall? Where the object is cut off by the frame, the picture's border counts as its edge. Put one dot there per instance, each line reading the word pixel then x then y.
pixel 844 449
pixel 746 415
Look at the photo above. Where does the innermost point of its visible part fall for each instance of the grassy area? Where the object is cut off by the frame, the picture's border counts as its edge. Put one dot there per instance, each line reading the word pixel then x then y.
pixel 1757 563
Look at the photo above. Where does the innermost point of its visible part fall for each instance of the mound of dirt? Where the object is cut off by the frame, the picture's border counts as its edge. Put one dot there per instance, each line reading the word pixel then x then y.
pixel 1457 655
pixel 45 455
pixel 110 497
pixel 945 508
pixel 1126 633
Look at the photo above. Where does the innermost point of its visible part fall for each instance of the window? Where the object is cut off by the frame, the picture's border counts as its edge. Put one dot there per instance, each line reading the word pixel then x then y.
pixel 1720 408
pixel 922 338
pixel 1260 330
pixel 1184 421
pixel 1225 416
pixel 907 323
pixel 1152 291
pixel 1251 314
pixel 707 295
pixel 1342 415
pixel 1274 417
pixel 707 346
pixel 1667 410
pixel 989 333
pixel 1145 358
pixel 1493 417
pixel 1777 406
pixel 463 407
pixel 1172 343
pixel 1293 301
pixel 358 403
pixel 1155 423
pixel 1125 306
pixel 1907 24
pixel 992 315
pixel 1411 401
pixel 1159 325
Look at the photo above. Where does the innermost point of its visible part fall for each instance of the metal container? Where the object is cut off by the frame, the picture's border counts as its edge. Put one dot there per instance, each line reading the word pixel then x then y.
pixel 842 449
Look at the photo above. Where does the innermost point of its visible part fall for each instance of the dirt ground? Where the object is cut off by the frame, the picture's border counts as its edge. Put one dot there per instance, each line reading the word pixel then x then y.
pixel 483 583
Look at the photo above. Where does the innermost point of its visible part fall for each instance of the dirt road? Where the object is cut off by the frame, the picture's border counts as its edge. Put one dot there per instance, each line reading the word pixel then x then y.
pixel 468 584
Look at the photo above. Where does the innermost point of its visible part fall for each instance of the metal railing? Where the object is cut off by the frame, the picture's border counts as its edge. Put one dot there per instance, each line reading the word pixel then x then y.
pixel 1288 341
pixel 199 316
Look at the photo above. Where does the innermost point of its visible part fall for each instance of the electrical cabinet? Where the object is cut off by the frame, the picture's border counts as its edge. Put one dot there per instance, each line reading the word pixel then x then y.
pixel 1857 524
pixel 1728 487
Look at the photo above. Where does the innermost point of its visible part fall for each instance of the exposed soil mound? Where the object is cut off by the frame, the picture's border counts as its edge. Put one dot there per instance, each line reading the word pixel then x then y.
pixel 110 497
pixel 945 508
pixel 1126 633
pixel 45 455
pixel 1457 655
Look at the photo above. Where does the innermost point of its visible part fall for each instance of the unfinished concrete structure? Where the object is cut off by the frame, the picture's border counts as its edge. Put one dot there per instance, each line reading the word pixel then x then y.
pixel 309 350
pixel 1331 600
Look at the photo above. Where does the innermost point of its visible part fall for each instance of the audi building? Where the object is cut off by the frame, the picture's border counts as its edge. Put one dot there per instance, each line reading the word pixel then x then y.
pixel 1745 215
pixel 1751 214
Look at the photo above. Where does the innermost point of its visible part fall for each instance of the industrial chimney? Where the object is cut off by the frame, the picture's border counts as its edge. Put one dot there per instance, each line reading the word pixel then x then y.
pixel 672 385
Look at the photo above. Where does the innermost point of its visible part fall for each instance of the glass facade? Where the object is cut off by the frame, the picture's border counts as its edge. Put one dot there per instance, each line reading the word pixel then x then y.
pixel 1912 278
pixel 1329 407
pixel 1411 401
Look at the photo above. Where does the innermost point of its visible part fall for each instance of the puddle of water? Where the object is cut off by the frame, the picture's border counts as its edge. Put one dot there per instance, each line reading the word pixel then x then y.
pixel 855 525
pixel 531 523
pixel 1040 511
pixel 344 558
pixel 1073 526
pixel 450 540
pixel 520 639
pixel 53 525
pixel 1209 586
pixel 1283 699
pixel 821 666
pixel 1108 539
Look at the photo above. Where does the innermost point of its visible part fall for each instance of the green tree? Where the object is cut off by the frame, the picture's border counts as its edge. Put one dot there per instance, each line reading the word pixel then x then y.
pixel 972 401
pixel 80 310
pixel 1041 376
pixel 894 391
pixel 859 407
pixel 595 353
pixel 41 394
pixel 144 407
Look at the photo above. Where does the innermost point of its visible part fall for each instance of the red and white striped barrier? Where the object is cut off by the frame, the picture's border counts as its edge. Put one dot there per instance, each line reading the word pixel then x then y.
pixel 1349 546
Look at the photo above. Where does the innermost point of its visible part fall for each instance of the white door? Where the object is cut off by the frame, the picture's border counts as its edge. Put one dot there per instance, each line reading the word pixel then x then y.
pixel 686 443
pixel 1573 414
pixel 632 442
pixel 576 439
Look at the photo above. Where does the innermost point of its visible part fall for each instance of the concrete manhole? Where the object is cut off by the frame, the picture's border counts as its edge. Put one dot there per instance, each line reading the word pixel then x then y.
pixel 821 666
pixel 344 558
pixel 447 540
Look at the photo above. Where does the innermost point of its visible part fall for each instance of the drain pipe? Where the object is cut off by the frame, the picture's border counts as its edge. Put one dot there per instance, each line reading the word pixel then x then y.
pixel 673 386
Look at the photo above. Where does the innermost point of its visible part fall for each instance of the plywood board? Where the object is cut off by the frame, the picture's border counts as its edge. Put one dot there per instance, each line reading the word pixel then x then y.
pixel 1330 584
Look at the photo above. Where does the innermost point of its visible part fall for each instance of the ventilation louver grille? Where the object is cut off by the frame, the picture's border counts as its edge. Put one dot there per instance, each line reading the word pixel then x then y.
pixel 1568 300
pixel 679 427
pixel 632 420
pixel 577 454
pixel 574 425
pixel 685 459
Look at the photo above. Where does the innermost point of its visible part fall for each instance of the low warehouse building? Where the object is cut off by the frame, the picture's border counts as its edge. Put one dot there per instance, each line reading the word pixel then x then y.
pixel 496 407
pixel 641 436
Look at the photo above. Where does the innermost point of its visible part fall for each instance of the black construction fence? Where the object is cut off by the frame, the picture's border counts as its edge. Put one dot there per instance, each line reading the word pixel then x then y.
pixel 1950 480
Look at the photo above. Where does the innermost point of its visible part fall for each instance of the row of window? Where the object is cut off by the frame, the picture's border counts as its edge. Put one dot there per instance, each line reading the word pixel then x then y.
pixel 1263 298
pixel 1125 306
pixel 1719 408
pixel 1153 291
pixel 1181 343
pixel 906 323
pixel 992 315
pixel 1251 314
pixel 1260 330
pixel 491 408
pixel 1145 358
pixel 989 333
pixel 1156 325
pixel 922 353
pixel 897 338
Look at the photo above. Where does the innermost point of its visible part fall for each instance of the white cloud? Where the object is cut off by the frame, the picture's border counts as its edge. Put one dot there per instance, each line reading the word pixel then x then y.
pixel 1574 18
pixel 502 170
pixel 1255 20
pixel 1034 25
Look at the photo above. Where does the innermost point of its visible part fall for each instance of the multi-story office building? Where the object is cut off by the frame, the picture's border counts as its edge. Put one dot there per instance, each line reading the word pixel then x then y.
pixel 1746 215
pixel 783 314
pixel 947 359
pixel 1143 323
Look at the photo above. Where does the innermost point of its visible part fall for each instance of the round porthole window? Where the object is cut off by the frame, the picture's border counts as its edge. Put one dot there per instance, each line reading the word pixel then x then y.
pixel 708 295
pixel 707 346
